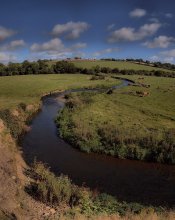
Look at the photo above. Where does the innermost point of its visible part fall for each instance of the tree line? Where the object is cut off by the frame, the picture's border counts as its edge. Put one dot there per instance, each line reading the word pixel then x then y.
pixel 60 67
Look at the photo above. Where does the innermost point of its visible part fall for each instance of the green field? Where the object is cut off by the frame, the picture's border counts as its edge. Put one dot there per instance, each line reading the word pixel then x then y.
pixel 102 122
pixel 116 64
pixel 29 88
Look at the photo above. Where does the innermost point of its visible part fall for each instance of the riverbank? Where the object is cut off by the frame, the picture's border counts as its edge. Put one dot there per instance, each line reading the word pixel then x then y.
pixel 15 203
pixel 17 109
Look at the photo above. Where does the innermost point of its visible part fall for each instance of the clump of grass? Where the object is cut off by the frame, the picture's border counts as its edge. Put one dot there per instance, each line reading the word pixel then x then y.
pixel 49 188
pixel 97 77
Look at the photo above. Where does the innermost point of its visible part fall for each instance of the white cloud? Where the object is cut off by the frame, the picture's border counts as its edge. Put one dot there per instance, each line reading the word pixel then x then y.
pixel 166 56
pixel 6 57
pixel 5 33
pixel 71 30
pixel 52 45
pixel 155 58
pixel 168 59
pixel 13 45
pixel 168 53
pixel 162 58
pixel 105 51
pixel 56 44
pixel 17 43
pixel 55 49
pixel 161 41
pixel 154 20
pixel 130 34
pixel 110 27
pixel 78 46
pixel 138 12
pixel 169 15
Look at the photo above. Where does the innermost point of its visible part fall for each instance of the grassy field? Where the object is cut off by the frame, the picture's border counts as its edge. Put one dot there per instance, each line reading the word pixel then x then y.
pixel 29 88
pixel 102 122
pixel 116 64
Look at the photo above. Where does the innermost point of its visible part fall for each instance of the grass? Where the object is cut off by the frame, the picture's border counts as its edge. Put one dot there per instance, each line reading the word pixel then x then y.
pixel 124 124
pixel 29 88
pixel 116 64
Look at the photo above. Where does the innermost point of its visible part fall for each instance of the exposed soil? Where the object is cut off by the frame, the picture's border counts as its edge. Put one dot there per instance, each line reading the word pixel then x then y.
pixel 15 203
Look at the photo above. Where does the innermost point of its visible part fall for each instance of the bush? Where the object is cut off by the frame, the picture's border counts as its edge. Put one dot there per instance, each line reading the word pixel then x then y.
pixel 49 188
pixel 12 123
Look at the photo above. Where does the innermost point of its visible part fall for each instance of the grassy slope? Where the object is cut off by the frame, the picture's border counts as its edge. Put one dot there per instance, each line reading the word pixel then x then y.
pixel 116 64
pixel 134 115
pixel 29 88
pixel 154 111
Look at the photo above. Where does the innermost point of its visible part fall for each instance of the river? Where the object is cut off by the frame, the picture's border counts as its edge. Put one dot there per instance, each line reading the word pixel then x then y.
pixel 128 180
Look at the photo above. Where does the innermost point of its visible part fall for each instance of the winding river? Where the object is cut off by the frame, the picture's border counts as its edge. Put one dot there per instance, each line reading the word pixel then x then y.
pixel 131 181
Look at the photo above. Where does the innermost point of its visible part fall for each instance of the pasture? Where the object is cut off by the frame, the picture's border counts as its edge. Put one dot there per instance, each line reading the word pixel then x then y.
pixel 103 123
pixel 29 88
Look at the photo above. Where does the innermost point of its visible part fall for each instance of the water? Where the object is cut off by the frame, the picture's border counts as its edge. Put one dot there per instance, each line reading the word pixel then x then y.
pixel 131 181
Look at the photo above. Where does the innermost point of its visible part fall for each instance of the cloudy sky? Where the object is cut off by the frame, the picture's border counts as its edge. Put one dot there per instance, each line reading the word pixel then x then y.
pixel 55 29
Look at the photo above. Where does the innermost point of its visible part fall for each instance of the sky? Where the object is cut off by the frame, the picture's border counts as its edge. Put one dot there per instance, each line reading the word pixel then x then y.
pixel 57 29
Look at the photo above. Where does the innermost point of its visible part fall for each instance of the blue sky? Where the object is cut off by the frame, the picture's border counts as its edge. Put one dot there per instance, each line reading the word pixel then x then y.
pixel 56 29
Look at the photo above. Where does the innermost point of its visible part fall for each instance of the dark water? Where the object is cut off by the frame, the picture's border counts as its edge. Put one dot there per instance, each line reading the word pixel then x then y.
pixel 132 181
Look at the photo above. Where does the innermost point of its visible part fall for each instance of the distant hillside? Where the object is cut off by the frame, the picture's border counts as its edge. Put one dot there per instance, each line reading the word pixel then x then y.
pixel 116 64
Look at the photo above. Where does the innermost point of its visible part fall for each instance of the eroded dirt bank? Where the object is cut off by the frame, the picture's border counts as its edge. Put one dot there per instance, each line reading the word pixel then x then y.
pixel 15 203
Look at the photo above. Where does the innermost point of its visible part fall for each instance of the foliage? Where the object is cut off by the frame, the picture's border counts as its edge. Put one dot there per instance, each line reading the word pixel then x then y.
pixel 64 67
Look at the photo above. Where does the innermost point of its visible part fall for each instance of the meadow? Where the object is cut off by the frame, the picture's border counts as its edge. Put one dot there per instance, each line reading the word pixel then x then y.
pixel 28 89
pixel 124 124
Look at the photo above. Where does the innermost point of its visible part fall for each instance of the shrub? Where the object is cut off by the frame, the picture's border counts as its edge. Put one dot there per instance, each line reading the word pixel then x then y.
pixel 12 123
pixel 97 77
pixel 22 106
pixel 49 188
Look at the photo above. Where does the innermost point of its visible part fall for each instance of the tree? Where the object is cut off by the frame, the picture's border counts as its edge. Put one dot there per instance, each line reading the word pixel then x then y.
pixel 13 69
pixel 64 67
pixel 2 70
pixel 43 67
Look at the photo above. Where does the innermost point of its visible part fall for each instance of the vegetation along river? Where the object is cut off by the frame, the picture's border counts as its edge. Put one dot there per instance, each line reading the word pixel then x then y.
pixel 130 181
